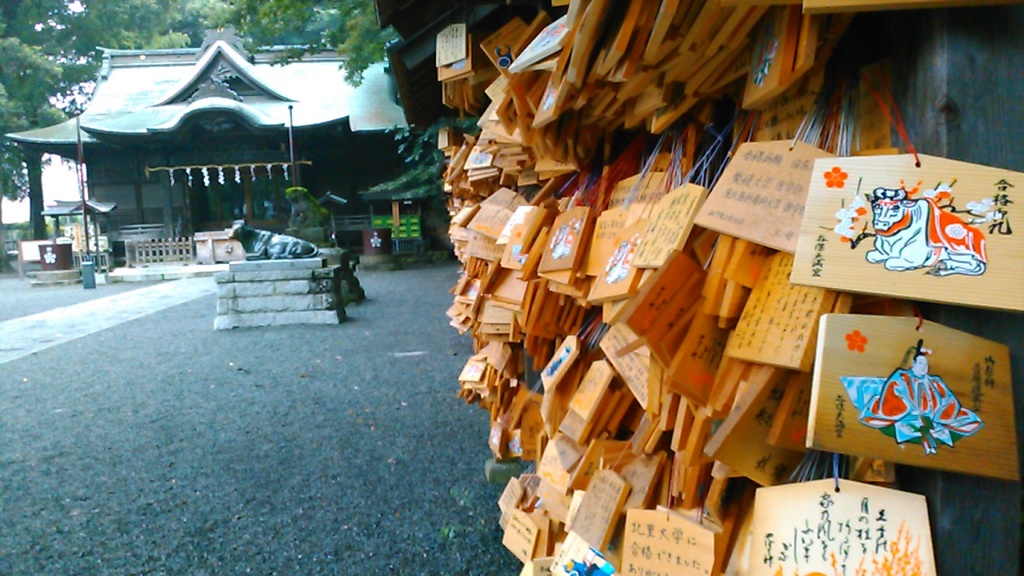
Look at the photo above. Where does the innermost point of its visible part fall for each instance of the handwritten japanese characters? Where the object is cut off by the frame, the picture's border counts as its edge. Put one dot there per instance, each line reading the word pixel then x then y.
pixel 779 322
pixel 666 543
pixel 932 397
pixel 940 232
pixel 840 527
pixel 761 194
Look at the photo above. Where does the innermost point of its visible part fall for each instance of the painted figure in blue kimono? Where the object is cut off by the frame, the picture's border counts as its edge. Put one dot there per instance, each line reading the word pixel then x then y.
pixel 912 405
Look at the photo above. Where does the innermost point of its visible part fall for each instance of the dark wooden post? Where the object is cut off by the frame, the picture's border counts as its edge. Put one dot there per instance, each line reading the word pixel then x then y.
pixel 958 78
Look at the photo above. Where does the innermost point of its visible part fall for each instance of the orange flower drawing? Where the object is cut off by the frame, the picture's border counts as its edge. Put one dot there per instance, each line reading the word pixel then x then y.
pixel 856 341
pixel 835 178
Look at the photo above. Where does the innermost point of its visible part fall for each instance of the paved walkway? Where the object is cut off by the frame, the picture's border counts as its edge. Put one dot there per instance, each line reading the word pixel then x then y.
pixel 29 334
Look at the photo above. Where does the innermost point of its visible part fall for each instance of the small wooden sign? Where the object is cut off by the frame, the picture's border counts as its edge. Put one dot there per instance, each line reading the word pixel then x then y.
pixel 618 277
pixel 595 383
pixel 607 228
pixel 548 42
pixel 779 322
pixel 940 232
pixel 483 247
pixel 560 456
pixel 510 498
pixel 502 46
pixel 451 45
pixel 934 397
pixel 461 68
pixel 563 358
pixel 814 527
pixel 570 233
pixel 521 535
pixel 634 366
pixel 774 51
pixel 599 510
pixel 665 542
pixel 761 194
pixel 782 117
pixel 670 225
pixel 495 213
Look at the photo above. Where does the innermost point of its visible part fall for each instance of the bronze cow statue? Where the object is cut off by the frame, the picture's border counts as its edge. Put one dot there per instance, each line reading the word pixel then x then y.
pixel 266 245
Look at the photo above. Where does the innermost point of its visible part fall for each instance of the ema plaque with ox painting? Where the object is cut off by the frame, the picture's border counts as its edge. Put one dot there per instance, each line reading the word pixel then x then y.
pixel 940 232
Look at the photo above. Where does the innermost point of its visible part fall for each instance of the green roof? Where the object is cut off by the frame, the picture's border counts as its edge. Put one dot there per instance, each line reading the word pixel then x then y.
pixel 140 92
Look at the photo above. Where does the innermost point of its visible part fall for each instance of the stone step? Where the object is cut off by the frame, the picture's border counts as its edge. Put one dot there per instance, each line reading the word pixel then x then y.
pixel 290 303
pixel 272 288
pixel 258 319
pixel 275 275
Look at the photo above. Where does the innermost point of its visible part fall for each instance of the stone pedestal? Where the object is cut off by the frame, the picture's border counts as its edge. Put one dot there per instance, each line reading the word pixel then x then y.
pixel 275 292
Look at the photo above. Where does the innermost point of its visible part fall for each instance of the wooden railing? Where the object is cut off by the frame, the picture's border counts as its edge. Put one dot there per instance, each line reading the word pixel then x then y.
pixel 143 252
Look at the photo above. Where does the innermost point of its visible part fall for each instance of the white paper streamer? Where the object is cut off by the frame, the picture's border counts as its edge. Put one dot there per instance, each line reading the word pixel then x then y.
pixel 238 175
pixel 269 175
pixel 285 167
pixel 171 174
pixel 206 176
pixel 188 171
pixel 220 175
pixel 252 172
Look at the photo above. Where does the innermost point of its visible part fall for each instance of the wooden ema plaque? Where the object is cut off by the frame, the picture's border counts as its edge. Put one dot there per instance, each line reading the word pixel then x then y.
pixel 634 366
pixel 761 194
pixel 934 397
pixel 599 510
pixel 941 232
pixel 814 528
pixel 779 322
pixel 774 52
pixel 666 542
pixel 669 226
pixel 741 440
pixel 618 278
pixel 521 535
pixel 567 243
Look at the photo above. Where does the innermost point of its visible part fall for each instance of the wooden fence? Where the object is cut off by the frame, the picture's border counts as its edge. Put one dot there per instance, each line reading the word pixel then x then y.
pixel 143 252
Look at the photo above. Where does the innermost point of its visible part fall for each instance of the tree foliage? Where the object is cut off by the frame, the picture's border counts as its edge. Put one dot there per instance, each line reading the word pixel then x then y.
pixel 50 51
pixel 348 26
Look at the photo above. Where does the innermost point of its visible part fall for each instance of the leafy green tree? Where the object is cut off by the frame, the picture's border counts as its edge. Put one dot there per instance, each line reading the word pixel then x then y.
pixel 50 53
pixel 348 26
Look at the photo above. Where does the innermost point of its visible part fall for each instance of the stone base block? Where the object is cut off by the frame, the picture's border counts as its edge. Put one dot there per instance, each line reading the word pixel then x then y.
pixel 274 265
pixel 501 471
pixel 56 278
pixel 264 293
pixel 288 303
pixel 257 319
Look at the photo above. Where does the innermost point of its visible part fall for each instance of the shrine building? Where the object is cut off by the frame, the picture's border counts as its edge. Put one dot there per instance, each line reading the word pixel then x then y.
pixel 193 139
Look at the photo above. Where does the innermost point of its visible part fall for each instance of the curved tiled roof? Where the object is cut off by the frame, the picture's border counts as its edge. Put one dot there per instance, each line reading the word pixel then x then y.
pixel 156 91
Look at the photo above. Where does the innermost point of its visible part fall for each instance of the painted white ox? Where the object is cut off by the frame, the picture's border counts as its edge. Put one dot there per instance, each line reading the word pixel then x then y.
pixel 914 233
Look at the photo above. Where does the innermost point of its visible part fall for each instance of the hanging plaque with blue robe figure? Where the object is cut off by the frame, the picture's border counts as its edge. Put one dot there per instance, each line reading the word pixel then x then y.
pixel 913 392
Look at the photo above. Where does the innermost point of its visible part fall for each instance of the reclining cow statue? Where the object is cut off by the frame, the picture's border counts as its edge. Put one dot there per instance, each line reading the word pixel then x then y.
pixel 266 245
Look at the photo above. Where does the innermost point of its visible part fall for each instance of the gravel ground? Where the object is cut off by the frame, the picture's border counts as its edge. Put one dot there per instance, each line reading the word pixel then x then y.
pixel 162 447
pixel 18 298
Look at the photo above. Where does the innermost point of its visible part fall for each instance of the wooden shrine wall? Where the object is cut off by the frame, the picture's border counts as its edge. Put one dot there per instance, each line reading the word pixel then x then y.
pixel 958 77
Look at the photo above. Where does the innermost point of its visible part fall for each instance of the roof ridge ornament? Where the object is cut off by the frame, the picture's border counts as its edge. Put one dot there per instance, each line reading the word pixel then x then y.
pixel 214 88
pixel 227 35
